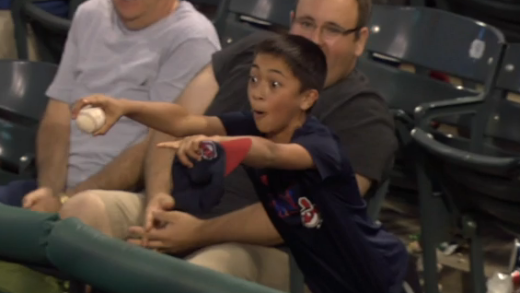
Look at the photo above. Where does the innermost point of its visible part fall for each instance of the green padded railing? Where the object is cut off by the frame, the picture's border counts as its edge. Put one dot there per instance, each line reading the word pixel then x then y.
pixel 106 263
pixel 115 266
pixel 23 234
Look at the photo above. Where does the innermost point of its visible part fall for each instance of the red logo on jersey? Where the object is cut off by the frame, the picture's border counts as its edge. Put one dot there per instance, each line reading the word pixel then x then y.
pixel 309 213
pixel 208 150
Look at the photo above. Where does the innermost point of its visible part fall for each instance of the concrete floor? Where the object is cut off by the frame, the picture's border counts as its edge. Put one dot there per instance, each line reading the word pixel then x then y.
pixel 402 219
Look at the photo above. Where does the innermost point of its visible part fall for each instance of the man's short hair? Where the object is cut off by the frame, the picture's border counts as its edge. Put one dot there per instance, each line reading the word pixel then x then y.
pixel 305 59
pixel 364 11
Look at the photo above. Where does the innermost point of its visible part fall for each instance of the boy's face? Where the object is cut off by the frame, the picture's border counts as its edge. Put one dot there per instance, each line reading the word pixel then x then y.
pixel 275 96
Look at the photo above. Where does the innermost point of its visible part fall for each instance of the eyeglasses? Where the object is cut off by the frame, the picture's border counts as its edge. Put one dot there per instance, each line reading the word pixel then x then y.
pixel 328 32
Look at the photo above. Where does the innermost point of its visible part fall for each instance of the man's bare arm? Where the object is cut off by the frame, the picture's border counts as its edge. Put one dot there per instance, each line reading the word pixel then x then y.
pixel 249 225
pixel 157 166
pixel 52 146
pixel 123 173
pixel 196 98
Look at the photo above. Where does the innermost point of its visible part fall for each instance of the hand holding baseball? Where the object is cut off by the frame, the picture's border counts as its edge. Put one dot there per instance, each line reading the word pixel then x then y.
pixel 96 114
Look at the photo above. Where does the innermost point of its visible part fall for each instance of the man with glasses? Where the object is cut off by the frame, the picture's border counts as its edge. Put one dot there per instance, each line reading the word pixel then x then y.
pixel 237 237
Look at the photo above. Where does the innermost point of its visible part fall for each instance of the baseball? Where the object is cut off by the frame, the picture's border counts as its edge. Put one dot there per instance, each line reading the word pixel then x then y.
pixel 90 120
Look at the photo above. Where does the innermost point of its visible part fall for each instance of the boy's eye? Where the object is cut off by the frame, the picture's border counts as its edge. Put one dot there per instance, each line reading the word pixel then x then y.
pixel 253 79
pixel 276 84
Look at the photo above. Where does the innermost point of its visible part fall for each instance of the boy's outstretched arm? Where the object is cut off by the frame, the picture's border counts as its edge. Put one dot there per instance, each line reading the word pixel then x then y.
pixel 172 119
pixel 262 153
pixel 169 118
pixel 268 154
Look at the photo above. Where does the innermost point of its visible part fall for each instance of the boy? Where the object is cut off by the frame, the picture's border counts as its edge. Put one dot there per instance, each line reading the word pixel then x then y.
pixel 305 183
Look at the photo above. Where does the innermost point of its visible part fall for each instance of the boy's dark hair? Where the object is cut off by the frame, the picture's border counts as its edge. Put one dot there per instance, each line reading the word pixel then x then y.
pixel 305 59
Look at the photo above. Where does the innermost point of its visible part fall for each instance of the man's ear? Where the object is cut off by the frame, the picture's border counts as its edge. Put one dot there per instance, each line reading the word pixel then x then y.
pixel 361 41
pixel 291 15
pixel 309 98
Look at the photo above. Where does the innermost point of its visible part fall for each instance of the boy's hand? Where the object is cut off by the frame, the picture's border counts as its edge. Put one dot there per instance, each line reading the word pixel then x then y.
pixel 113 109
pixel 188 148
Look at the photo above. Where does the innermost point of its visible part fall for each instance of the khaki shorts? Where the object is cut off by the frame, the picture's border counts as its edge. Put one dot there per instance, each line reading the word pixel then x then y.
pixel 264 265
pixel 124 209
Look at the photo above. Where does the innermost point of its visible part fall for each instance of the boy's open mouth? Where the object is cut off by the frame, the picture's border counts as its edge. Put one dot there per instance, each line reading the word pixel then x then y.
pixel 258 114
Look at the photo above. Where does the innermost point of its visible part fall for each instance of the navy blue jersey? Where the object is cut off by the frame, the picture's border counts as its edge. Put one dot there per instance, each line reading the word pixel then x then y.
pixel 322 218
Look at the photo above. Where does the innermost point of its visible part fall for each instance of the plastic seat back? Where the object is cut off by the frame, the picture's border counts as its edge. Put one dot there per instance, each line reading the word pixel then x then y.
pixel 246 17
pixel 502 14
pixel 404 90
pixel 22 90
pixel 436 40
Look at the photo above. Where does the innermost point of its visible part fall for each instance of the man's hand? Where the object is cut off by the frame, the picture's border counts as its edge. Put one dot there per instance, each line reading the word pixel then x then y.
pixel 181 232
pixel 112 107
pixel 189 148
pixel 42 200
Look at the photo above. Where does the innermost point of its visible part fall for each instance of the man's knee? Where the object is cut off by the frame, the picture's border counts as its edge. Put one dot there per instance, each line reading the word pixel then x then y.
pixel 111 212
pixel 85 206
pixel 229 258
pixel 260 264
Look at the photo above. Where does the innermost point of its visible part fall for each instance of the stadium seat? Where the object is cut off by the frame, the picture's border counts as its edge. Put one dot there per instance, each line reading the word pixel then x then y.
pixel 479 173
pixel 22 105
pixel 17 145
pixel 430 40
pixel 50 30
pixel 22 90
pixel 246 17
pixel 502 14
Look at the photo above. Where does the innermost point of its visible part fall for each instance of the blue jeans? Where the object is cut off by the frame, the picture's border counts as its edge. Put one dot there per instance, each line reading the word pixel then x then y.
pixel 13 193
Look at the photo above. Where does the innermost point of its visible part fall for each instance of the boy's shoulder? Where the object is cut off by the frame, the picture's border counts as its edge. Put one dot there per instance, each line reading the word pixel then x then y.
pixel 314 128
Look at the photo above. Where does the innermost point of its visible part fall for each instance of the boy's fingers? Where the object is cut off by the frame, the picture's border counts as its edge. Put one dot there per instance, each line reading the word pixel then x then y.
pixel 171 144
pixel 78 106
pixel 181 156
pixel 194 154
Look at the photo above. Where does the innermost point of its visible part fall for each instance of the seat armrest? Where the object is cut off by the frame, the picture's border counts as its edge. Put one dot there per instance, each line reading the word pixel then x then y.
pixel 496 165
pixel 425 113
pixel 46 19
pixel 403 117
pixel 27 164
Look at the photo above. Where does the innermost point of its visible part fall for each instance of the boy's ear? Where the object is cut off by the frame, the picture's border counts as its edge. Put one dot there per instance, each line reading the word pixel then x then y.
pixel 309 98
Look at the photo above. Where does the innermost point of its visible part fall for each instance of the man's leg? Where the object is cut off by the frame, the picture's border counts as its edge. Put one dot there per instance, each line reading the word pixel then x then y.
pixel 111 212
pixel 12 194
pixel 260 264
